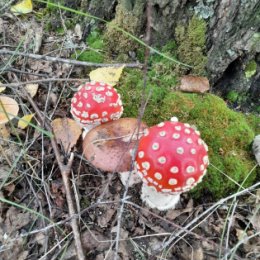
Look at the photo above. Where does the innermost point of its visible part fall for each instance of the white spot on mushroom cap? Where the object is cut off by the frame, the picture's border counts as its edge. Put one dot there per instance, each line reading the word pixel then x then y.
pixel 158 176
pixel 178 127
pixel 146 165
pixel 189 141
pixel 162 133
pixel 200 142
pixel 155 146
pixel 141 154
pixel 197 132
pixel 100 89
pixel 187 131
pixel 162 159
pixel 202 167
pixel 74 100
pixel 75 111
pixel 93 83
pixel 104 113
pixel 174 169
pixel 187 125
pixel 172 181
pixel 88 105
pixel 80 104
pixel 99 98
pixel 104 119
pixel 190 169
pixel 176 136
pixel 179 150
pixel 174 119
pixel 193 151
pixel 205 159
pixel 150 179
pixel 161 124
pixel 85 114
pixel 85 95
pixel 88 88
pixel 93 116
pixel 190 181
pixel 109 93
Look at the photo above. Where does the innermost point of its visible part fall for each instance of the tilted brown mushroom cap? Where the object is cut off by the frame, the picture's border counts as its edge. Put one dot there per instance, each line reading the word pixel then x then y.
pixel 108 146
pixel 10 109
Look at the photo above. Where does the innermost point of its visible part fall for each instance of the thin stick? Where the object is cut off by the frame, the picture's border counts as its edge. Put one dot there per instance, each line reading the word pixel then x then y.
pixel 72 62
pixel 65 170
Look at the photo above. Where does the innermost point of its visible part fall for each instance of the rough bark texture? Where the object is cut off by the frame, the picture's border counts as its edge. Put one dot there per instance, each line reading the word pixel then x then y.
pixel 233 36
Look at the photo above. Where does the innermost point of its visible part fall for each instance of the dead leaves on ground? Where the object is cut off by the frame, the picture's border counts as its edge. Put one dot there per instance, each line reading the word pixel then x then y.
pixel 195 84
pixel 66 132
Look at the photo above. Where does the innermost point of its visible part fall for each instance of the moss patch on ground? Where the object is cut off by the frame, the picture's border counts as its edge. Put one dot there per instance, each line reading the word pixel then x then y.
pixel 227 133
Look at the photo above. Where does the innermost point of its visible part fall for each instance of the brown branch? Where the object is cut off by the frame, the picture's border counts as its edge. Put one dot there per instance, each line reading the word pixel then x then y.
pixel 72 62
pixel 10 85
pixel 65 170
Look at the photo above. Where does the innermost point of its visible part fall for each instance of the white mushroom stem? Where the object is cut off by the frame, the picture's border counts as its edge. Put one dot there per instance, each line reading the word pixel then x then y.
pixel 87 128
pixel 132 176
pixel 159 200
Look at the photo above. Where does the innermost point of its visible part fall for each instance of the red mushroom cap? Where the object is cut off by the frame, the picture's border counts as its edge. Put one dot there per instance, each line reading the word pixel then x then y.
pixel 96 102
pixel 172 157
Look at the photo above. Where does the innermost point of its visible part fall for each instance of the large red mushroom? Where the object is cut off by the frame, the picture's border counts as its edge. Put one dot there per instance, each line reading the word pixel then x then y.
pixel 95 103
pixel 171 159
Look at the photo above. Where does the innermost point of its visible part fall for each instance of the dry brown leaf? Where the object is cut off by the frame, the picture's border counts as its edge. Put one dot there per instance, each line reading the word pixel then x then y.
pixel 66 131
pixel 195 84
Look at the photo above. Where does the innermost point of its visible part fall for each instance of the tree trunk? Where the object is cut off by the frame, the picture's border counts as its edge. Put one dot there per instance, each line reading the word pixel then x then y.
pixel 233 38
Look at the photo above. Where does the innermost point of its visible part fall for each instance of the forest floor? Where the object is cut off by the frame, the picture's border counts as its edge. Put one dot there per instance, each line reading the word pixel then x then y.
pixel 34 216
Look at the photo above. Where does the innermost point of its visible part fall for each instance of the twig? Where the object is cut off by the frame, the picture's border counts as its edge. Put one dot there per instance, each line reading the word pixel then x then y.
pixel 10 85
pixel 72 62
pixel 65 170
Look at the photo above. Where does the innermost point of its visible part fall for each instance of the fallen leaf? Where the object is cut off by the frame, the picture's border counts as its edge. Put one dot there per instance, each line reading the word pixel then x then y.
pixel 24 121
pixel 32 89
pixel 195 84
pixel 8 109
pixel 109 75
pixel 24 7
pixel 2 88
pixel 66 132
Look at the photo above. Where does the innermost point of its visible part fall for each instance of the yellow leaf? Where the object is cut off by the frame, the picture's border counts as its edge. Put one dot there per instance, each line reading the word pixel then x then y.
pixel 25 120
pixel 32 89
pixel 109 75
pixel 24 7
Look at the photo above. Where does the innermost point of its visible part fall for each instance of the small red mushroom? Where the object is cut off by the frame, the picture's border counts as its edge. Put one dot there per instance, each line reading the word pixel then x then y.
pixel 96 103
pixel 171 159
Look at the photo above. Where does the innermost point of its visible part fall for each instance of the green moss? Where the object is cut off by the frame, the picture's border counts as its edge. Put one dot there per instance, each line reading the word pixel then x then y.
pixel 227 134
pixel 89 56
pixel 191 44
pixel 95 40
pixel 232 96
pixel 116 41
pixel 131 89
pixel 250 69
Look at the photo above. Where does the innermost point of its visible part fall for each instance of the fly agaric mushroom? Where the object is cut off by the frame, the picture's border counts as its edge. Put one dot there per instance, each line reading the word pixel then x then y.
pixel 96 103
pixel 8 110
pixel 171 159
pixel 108 147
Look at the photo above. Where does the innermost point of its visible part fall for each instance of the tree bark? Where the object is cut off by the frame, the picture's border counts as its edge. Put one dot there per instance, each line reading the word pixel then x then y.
pixel 233 37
